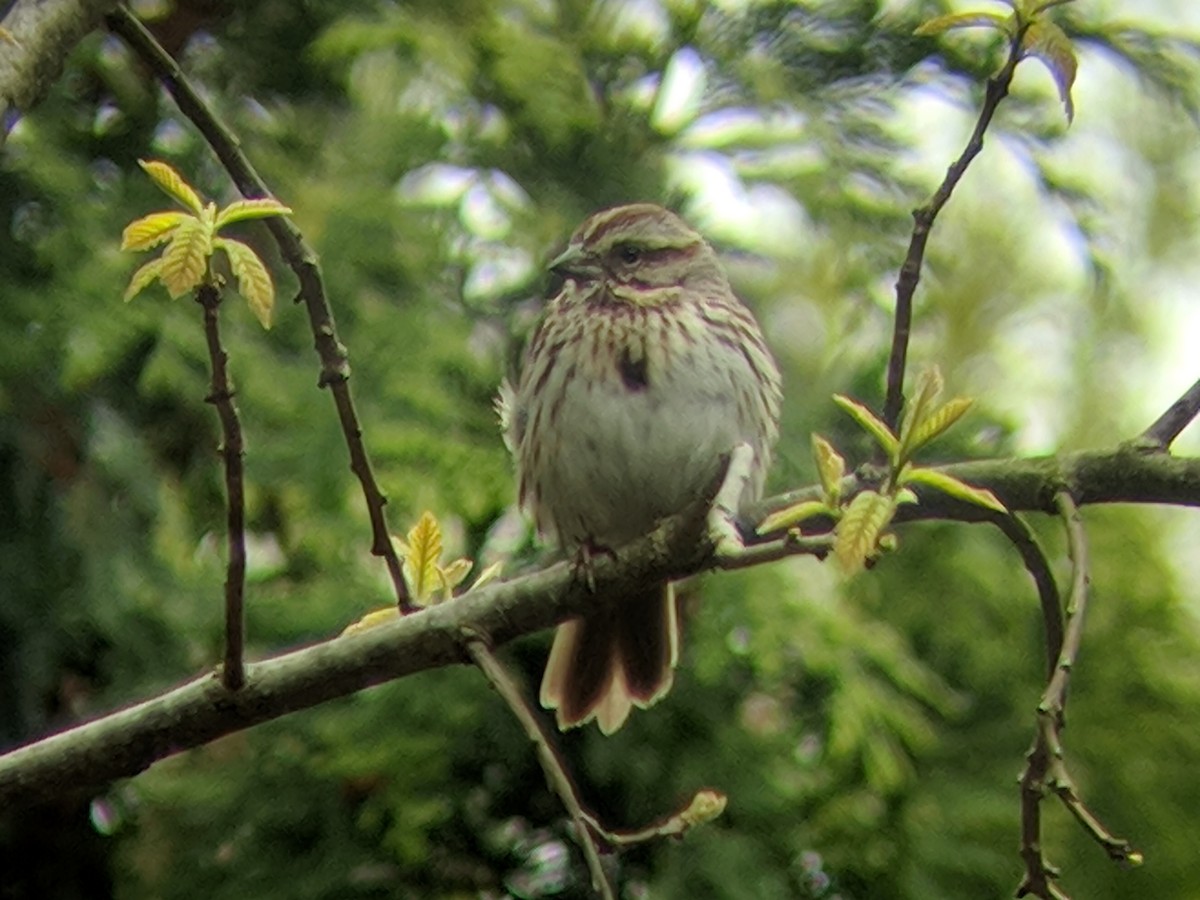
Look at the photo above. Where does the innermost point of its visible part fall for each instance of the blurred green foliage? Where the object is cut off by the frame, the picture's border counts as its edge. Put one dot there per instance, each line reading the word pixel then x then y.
pixel 868 733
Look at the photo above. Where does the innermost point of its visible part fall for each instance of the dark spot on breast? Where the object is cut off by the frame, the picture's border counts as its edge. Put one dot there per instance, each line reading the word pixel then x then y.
pixel 633 371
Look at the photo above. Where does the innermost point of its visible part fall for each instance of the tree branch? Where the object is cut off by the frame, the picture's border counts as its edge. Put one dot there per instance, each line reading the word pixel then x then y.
pixel 1046 768
pixel 1171 423
pixel 300 257
pixel 923 219
pixel 233 673
pixel 1034 558
pixel 45 32
pixel 126 742
pixel 555 769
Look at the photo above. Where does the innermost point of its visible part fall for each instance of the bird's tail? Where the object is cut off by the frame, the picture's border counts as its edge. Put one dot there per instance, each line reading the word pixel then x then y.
pixel 603 665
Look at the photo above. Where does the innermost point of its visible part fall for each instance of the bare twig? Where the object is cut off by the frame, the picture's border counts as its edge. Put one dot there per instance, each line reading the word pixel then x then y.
pixel 1034 558
pixel 233 673
pixel 1171 423
pixel 556 771
pixel 300 257
pixel 923 219
pixel 1046 769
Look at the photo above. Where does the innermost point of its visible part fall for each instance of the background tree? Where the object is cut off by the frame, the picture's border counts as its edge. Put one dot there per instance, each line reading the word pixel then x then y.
pixel 867 731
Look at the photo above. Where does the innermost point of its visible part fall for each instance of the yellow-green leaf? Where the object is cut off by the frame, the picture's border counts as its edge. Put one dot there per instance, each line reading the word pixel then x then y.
pixel 254 281
pixel 942 24
pixel 937 422
pixel 488 575
pixel 172 184
pixel 960 490
pixel 869 421
pixel 831 468
pixel 258 208
pixel 794 515
pixel 705 806
pixel 451 576
pixel 859 529
pixel 1049 43
pixel 421 552
pixel 142 278
pixel 372 620
pixel 150 231
pixel 925 395
pixel 185 260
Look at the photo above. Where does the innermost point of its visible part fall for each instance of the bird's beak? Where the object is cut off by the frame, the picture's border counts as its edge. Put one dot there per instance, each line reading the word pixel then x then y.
pixel 573 262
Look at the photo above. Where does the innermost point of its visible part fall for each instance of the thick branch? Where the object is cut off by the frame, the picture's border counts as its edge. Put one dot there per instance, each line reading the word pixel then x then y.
pixel 300 257
pixel 45 32
pixel 126 742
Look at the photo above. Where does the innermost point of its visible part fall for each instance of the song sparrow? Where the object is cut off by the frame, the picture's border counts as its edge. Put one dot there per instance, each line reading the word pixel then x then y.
pixel 643 374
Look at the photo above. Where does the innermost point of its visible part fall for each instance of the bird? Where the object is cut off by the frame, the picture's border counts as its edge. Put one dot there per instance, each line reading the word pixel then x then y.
pixel 642 375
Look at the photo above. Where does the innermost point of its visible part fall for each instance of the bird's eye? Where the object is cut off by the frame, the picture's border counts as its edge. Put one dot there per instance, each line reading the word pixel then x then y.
pixel 628 254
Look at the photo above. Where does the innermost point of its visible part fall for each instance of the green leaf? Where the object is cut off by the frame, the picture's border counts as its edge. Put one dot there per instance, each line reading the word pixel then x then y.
pixel 254 281
pixel 794 515
pixel 143 277
pixel 942 24
pixel 152 230
pixel 861 525
pixel 185 260
pixel 870 422
pixel 952 486
pixel 831 468
pixel 243 210
pixel 939 420
pixel 925 395
pixel 1049 43
pixel 172 184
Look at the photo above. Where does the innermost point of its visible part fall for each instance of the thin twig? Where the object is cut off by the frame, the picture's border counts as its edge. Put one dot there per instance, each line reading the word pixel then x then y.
pixel 1171 423
pixel 555 769
pixel 1046 768
pixel 923 219
pixel 300 257
pixel 233 673
pixel 1021 536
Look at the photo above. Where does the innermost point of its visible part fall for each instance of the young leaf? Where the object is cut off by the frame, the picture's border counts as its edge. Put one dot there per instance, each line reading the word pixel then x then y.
pixel 860 528
pixel 1049 43
pixel 705 806
pixel 925 395
pixel 142 278
pixel 421 552
pixel 172 184
pixel 794 515
pixel 960 490
pixel 186 258
pixel 942 24
pixel 831 468
pixel 259 208
pixel 150 231
pixel 488 575
pixel 451 576
pixel 371 620
pixel 869 421
pixel 938 421
pixel 254 282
